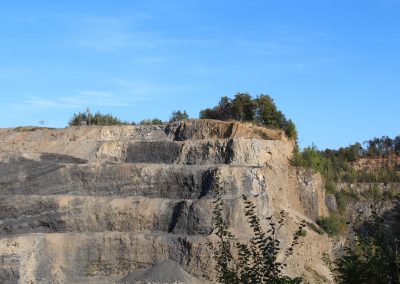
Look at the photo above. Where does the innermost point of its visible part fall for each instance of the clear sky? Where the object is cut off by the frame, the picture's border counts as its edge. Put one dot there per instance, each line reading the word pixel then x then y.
pixel 332 66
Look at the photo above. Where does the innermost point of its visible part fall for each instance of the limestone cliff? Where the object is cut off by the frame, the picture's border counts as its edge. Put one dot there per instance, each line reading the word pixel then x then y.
pixel 95 204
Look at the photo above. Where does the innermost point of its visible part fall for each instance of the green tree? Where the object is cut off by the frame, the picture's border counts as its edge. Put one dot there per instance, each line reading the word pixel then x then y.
pixel 78 119
pixel 222 111
pixel 154 121
pixel 243 108
pixel 178 115
pixel 290 130
pixel 312 158
pixel 336 165
pixel 209 113
pixel 225 108
pixel 87 118
pixel 372 257
pixel 267 112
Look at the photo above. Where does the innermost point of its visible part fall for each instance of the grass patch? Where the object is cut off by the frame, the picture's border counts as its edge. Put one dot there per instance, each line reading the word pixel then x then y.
pixel 315 228
pixel 333 225
pixel 351 193
pixel 303 233
pixel 330 187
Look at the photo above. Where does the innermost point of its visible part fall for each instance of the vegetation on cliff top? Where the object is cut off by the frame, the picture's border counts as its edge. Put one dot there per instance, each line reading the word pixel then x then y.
pixel 342 166
pixel 261 110
pixel 337 165
pixel 87 118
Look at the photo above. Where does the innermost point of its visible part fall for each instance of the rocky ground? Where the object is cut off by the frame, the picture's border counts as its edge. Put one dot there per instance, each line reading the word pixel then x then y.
pixel 114 204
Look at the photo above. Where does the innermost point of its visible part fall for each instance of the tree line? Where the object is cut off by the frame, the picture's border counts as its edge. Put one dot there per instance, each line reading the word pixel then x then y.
pixel 87 118
pixel 243 107
pixel 261 110
pixel 335 165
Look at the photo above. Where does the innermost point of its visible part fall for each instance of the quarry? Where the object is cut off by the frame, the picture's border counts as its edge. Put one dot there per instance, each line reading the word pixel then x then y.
pixel 124 204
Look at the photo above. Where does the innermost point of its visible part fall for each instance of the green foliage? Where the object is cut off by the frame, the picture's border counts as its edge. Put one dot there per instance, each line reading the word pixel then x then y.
pixel 268 113
pixel 178 115
pixel 351 193
pixel 335 165
pixel 382 147
pixel 243 107
pixel 342 197
pixel 333 225
pixel 223 111
pixel 87 118
pixel 315 228
pixel 257 260
pixel 311 158
pixel 376 194
pixel 341 201
pixel 297 159
pixel 303 233
pixel 290 129
pixel 372 257
pixel 154 121
pixel 330 187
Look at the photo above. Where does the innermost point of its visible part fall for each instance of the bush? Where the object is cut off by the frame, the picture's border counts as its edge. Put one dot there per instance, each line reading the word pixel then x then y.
pixel 330 187
pixel 154 121
pixel 178 115
pixel 373 255
pixel 335 165
pixel 333 225
pixel 341 201
pixel 351 193
pixel 315 228
pixel 87 118
pixel 257 260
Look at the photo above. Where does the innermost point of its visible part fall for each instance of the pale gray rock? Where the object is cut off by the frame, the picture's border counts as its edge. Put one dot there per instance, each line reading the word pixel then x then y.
pixel 330 201
pixel 97 204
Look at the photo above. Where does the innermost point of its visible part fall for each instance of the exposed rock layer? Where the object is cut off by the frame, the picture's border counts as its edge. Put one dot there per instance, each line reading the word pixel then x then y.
pixel 92 204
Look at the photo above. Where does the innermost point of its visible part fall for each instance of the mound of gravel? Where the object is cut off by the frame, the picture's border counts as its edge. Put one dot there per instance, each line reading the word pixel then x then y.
pixel 168 271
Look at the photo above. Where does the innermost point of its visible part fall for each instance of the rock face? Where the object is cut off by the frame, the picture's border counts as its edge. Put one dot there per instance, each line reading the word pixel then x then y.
pixel 94 204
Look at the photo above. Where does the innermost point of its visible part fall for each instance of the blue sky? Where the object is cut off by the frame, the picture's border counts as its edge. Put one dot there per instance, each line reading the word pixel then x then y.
pixel 333 66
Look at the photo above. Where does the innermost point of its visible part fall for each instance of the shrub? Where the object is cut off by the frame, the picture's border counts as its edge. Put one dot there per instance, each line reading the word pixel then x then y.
pixel 335 165
pixel 330 187
pixel 333 225
pixel 341 201
pixel 315 228
pixel 257 260
pixel 372 257
pixel 87 118
pixel 351 193
pixel 154 121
